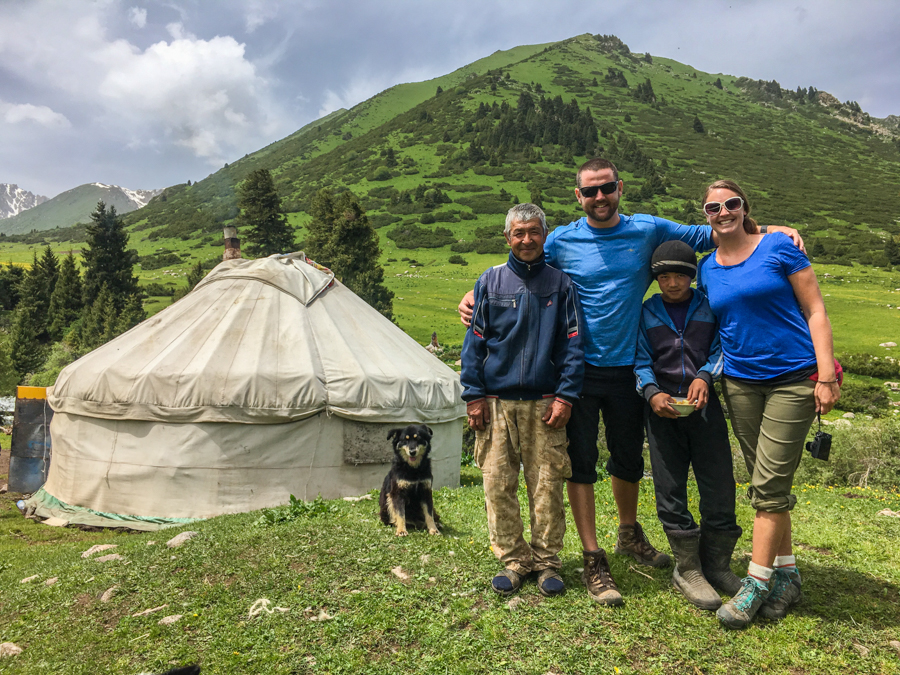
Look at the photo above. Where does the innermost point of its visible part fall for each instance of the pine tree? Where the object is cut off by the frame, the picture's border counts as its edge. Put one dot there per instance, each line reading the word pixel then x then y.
pixel 536 197
pixel 698 126
pixel 266 230
pixel 66 299
pixel 9 378
pixel 131 315
pixel 98 322
pixel 11 277
pixel 892 251
pixel 34 294
pixel 106 260
pixel 26 351
pixel 340 237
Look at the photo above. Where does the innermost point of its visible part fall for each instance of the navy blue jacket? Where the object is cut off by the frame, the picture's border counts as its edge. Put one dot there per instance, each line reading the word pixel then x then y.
pixel 668 360
pixel 525 339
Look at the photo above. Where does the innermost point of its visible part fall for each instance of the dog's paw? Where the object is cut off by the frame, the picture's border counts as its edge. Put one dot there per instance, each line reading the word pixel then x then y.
pixel 402 533
pixel 434 530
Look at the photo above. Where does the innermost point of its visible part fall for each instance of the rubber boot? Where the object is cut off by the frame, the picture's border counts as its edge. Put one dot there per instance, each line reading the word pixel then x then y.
pixel 688 578
pixel 716 547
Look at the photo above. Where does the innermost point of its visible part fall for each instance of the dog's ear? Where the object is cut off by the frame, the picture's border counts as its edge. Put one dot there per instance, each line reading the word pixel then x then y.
pixel 428 431
pixel 394 434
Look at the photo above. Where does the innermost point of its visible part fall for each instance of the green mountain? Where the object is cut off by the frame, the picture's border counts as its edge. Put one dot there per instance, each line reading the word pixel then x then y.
pixel 526 118
pixel 437 164
pixel 75 206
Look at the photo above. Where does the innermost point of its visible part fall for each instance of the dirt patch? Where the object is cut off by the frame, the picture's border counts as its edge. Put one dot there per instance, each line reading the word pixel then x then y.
pixel 807 547
pixel 855 495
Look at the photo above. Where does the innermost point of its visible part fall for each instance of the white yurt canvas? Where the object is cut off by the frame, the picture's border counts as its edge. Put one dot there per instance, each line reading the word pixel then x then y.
pixel 270 378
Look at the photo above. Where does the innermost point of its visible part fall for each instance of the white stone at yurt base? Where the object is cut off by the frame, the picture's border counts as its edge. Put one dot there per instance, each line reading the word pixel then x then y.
pixel 270 378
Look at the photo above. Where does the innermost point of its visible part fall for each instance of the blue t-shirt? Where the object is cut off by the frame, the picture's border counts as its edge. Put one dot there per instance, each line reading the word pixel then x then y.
pixel 611 269
pixel 763 331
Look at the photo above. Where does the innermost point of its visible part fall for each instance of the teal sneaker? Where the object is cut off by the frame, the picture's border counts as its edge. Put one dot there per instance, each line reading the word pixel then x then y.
pixel 785 593
pixel 738 612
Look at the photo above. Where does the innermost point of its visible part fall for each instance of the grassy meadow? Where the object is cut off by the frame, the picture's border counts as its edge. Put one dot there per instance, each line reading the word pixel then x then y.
pixel 360 600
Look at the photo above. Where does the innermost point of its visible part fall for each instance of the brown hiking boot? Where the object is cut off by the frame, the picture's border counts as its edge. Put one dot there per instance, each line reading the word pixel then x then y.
pixel 597 579
pixel 633 543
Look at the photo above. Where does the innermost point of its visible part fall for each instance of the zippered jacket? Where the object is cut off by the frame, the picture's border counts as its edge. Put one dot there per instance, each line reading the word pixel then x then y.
pixel 524 342
pixel 668 360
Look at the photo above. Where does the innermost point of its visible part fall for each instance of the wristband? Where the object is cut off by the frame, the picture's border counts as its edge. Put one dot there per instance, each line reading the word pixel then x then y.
pixel 763 229
pixel 563 401
pixel 826 381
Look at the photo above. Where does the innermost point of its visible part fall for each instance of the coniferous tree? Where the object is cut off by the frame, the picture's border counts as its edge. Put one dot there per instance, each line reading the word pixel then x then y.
pixel 11 277
pixel 265 228
pixel 106 260
pixel 698 126
pixel 25 349
pixel 34 293
pixel 892 251
pixel 132 314
pixel 9 377
pixel 341 238
pixel 98 322
pixel 66 300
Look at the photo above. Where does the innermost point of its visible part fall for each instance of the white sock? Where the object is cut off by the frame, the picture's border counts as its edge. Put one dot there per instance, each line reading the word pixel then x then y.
pixel 785 561
pixel 760 573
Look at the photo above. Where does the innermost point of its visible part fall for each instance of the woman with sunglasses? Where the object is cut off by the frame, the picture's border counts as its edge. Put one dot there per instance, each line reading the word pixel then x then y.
pixel 779 374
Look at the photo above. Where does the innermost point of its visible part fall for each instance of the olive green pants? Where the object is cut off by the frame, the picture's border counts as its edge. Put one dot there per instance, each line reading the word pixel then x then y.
pixel 517 436
pixel 771 424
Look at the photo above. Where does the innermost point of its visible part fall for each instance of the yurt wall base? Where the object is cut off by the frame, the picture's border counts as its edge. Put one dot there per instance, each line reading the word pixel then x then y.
pixel 163 471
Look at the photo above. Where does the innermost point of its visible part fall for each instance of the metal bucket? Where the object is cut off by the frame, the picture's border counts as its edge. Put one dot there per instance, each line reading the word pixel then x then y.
pixel 30 448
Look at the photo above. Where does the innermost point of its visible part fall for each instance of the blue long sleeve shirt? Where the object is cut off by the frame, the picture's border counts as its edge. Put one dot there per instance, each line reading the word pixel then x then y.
pixel 524 342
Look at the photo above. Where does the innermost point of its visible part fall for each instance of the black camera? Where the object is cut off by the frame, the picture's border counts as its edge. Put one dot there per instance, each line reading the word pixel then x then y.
pixel 820 446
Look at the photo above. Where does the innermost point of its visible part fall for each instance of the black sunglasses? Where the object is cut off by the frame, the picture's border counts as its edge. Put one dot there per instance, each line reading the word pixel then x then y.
pixel 591 190
pixel 731 205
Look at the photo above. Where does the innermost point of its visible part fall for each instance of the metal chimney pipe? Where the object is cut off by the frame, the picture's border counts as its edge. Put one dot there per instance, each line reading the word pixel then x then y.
pixel 232 244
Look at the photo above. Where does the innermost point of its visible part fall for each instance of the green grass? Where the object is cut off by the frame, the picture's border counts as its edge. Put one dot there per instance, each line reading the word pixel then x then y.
pixel 444 618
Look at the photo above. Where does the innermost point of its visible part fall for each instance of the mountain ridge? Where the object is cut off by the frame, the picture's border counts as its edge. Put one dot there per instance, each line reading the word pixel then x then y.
pixel 75 206
pixel 14 200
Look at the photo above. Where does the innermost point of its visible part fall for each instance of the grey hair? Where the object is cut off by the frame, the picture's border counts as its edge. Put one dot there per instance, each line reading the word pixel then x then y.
pixel 524 213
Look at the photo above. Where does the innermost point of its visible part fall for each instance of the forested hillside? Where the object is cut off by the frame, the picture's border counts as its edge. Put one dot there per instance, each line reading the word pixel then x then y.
pixel 436 164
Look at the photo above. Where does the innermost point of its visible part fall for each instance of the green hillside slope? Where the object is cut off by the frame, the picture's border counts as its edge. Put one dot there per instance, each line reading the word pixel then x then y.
pixel 437 164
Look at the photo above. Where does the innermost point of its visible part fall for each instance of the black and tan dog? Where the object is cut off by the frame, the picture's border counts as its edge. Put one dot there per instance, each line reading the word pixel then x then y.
pixel 405 499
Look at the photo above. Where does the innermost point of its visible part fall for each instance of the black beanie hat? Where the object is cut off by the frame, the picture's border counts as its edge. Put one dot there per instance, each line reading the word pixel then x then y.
pixel 673 256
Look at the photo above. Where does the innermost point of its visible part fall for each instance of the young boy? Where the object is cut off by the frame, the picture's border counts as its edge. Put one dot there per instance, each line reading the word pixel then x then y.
pixel 679 357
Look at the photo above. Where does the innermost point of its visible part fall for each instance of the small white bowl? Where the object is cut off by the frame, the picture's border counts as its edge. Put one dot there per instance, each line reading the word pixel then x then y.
pixel 682 406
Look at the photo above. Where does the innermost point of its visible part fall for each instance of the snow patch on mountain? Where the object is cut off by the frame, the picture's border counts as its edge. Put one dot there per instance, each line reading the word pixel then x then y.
pixel 14 200
pixel 137 197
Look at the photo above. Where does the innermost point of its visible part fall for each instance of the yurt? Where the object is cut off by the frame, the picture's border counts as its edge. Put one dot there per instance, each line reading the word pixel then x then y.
pixel 270 378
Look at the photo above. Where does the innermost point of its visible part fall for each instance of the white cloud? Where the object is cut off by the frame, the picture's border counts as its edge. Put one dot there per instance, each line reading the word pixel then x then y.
pixel 258 13
pixel 137 16
pixel 15 113
pixel 203 95
pixel 177 31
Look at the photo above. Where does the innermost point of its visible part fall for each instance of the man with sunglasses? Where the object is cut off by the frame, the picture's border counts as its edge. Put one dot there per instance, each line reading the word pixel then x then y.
pixel 607 256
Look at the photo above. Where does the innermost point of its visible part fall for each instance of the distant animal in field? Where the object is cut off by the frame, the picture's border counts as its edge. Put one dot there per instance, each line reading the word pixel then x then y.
pixel 406 500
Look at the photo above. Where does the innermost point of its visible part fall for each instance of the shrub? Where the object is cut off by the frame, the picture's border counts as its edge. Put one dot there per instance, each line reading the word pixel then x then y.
pixel 426 218
pixel 863 397
pixel 887 368
pixel 463 247
pixel 409 235
pixel 490 246
pixel 154 262
pixel 863 454
pixel 381 173
pixel 158 290
pixel 457 260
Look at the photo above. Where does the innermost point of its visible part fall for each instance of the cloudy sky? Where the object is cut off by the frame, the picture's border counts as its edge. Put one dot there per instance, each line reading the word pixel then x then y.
pixel 149 93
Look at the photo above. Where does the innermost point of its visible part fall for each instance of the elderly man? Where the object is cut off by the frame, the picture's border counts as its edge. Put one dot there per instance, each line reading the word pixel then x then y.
pixel 522 368
pixel 607 256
